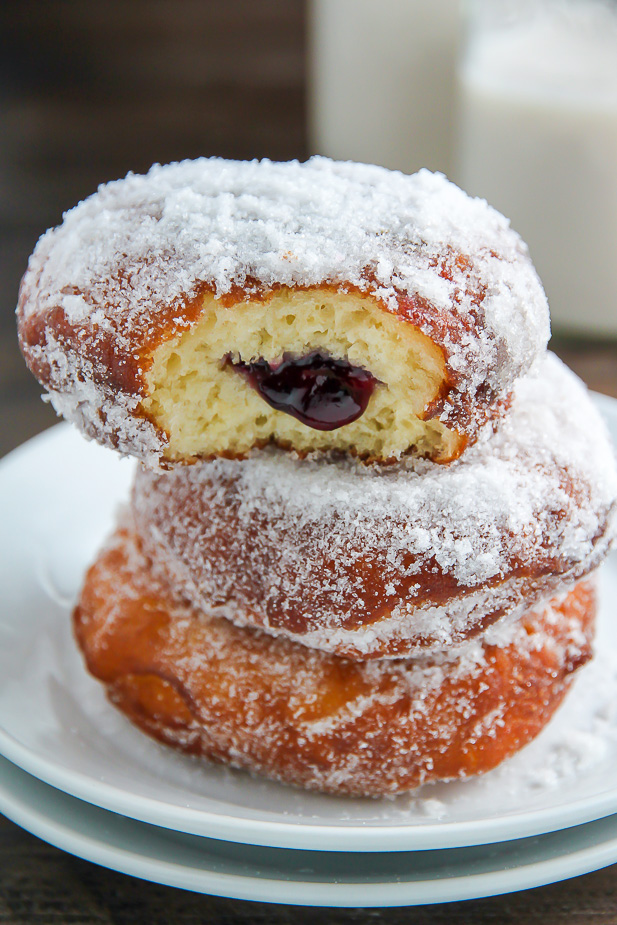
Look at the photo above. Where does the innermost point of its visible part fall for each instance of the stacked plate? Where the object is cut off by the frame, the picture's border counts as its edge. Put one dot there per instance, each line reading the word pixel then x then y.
pixel 77 775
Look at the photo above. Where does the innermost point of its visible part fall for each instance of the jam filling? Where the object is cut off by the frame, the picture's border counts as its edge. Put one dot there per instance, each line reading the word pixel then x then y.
pixel 320 391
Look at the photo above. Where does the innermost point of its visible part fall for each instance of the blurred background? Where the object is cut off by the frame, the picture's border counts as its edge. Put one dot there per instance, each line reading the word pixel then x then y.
pixel 515 101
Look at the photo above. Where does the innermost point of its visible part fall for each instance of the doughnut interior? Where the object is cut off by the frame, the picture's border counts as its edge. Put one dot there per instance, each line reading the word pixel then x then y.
pixel 207 687
pixel 207 408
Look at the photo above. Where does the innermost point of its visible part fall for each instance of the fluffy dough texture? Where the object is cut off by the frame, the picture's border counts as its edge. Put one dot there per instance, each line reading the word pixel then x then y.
pixel 371 563
pixel 305 717
pixel 129 309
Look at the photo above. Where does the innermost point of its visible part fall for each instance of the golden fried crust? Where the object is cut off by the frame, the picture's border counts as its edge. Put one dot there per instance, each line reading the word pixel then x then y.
pixel 319 583
pixel 308 718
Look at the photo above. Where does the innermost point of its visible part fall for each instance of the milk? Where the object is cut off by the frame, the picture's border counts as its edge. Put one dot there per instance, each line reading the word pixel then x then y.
pixel 538 139
pixel 382 77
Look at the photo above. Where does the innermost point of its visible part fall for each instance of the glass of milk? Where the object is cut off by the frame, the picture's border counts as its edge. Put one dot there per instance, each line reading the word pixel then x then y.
pixel 538 139
pixel 382 80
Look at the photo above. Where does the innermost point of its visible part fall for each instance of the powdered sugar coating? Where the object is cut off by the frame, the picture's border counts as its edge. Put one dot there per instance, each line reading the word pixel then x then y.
pixel 306 717
pixel 122 270
pixel 371 563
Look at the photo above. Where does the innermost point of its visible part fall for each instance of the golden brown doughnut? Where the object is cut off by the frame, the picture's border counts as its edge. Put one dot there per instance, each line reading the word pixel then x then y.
pixel 214 306
pixel 372 562
pixel 239 696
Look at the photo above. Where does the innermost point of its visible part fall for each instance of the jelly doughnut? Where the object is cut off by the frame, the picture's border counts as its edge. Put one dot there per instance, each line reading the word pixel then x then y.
pixel 371 562
pixel 211 307
pixel 305 717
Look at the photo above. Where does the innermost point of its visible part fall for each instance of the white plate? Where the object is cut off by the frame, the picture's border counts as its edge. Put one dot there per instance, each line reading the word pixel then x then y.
pixel 58 495
pixel 312 878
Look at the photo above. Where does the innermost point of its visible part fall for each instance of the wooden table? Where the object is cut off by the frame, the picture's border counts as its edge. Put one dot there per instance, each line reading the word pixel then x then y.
pixel 39 884
pixel 90 91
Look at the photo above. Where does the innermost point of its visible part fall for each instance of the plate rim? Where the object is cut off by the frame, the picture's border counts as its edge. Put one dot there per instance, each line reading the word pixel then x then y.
pixel 341 836
pixel 303 836
pixel 107 851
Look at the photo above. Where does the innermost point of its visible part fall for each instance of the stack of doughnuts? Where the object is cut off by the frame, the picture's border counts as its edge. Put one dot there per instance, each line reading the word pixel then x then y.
pixel 359 549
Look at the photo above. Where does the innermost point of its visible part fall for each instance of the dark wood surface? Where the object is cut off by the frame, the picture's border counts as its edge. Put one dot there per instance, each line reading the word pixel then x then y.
pixel 87 92
pixel 39 884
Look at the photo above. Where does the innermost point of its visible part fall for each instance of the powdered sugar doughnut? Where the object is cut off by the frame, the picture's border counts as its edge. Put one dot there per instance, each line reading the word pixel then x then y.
pixel 372 562
pixel 211 306
pixel 205 686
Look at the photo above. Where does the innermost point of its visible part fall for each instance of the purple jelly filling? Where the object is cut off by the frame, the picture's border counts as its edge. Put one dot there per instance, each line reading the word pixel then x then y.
pixel 321 391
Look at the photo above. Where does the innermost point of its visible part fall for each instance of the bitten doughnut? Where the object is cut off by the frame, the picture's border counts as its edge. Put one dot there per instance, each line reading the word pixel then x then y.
pixel 379 562
pixel 305 717
pixel 211 307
